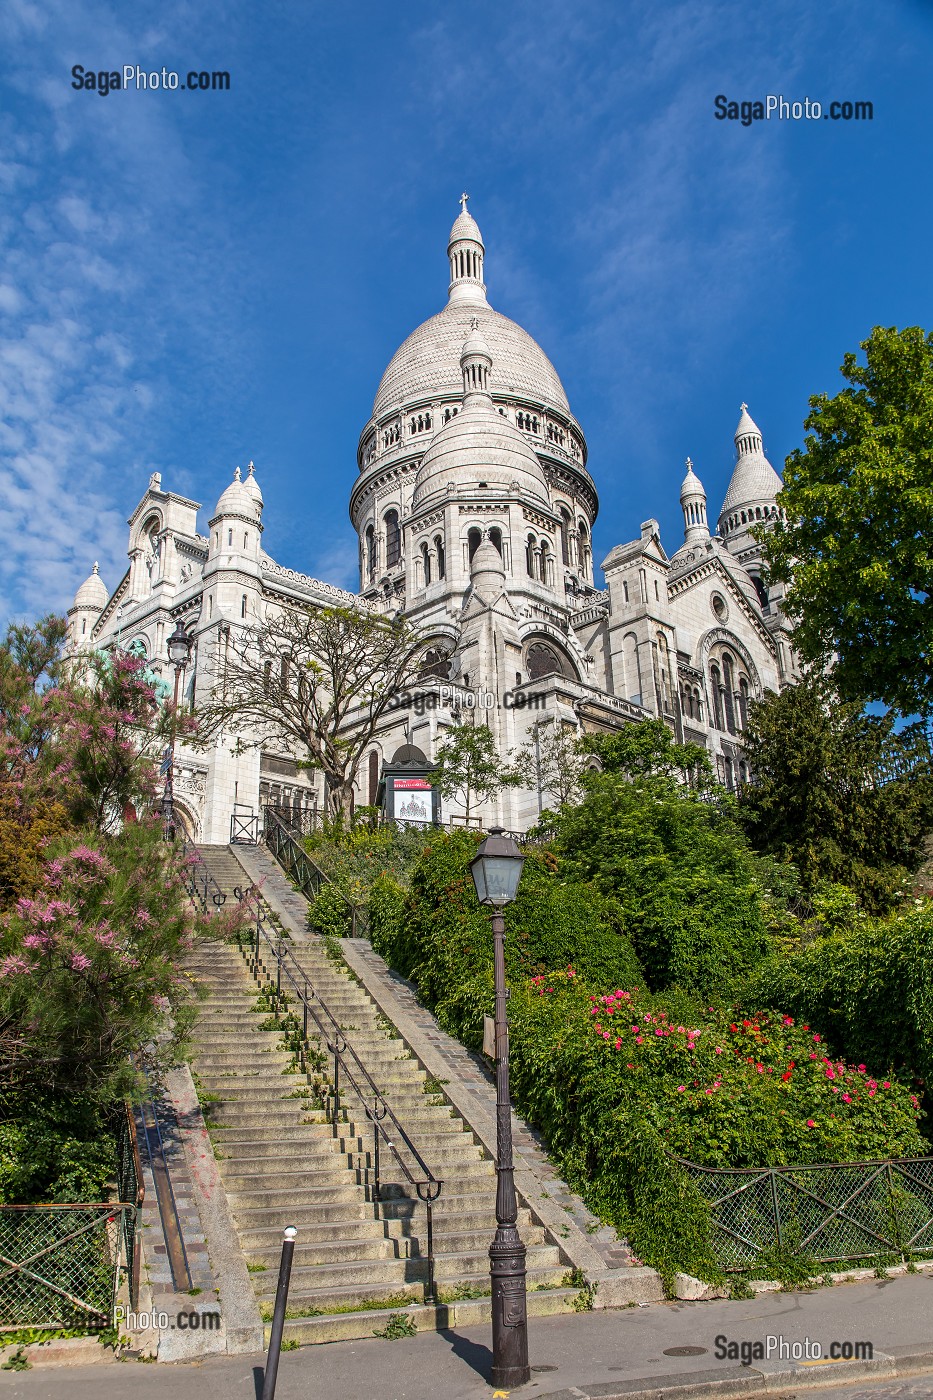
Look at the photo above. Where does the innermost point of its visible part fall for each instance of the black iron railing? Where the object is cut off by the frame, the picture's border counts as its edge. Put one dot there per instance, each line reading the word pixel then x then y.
pixel 833 1212
pixel 244 828
pixel 284 844
pixel 287 976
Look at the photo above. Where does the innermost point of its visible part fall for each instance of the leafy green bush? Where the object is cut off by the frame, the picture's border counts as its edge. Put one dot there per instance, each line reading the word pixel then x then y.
pixel 687 884
pixel 440 936
pixel 869 987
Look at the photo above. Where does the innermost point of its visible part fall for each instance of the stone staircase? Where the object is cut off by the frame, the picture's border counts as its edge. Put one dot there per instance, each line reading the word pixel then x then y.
pixel 283 1163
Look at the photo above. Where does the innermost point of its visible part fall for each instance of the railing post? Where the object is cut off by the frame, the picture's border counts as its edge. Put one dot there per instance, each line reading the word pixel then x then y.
pixel 777 1212
pixel 430 1290
pixel 336 1089
pixel 377 1185
pixel 271 1372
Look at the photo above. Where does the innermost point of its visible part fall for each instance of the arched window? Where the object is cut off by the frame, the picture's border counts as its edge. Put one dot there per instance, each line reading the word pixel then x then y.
pixel 495 535
pixel 547 563
pixel 625 590
pixel 474 539
pixel 715 680
pixel 283 673
pixel 543 660
pixel 393 539
pixel 243 606
pixel 373 777
pixel 564 535
pixel 760 590
pixel 436 663
pixel 531 561
pixel 630 668
pixel 743 702
pixel 583 545
pixel 440 556
pixel 728 680
pixel 426 564
pixel 229 538
pixel 370 552
pixel 697 705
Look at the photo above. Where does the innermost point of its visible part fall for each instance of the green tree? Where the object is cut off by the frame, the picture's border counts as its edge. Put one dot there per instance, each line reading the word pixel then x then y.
pixel 468 766
pixel 318 679
pixel 553 761
pixel 680 867
pixel 836 792
pixel 855 547
pixel 649 749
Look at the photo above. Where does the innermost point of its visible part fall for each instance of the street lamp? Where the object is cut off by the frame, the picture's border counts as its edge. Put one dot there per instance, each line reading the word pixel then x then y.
pixel 179 650
pixel 496 870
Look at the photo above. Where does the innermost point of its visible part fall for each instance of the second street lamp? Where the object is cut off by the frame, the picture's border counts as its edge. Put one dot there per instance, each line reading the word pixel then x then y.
pixel 496 870
pixel 179 650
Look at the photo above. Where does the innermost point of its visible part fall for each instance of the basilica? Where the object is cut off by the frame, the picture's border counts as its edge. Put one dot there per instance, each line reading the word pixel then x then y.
pixel 474 505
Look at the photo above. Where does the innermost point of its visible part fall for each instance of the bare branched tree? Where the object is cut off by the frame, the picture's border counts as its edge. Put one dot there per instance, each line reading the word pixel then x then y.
pixel 317 679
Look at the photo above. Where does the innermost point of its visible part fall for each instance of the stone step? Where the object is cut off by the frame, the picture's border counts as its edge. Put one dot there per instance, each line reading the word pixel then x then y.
pixel 309 1279
pixel 472 1312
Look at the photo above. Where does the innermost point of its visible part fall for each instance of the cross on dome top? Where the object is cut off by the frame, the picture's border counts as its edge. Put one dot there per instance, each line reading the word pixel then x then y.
pixel 463 202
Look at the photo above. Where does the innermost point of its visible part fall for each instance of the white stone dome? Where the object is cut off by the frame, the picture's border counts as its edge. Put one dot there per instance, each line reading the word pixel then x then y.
pixel 93 591
pixel 466 227
pixel 238 500
pixel 479 445
pixel 427 364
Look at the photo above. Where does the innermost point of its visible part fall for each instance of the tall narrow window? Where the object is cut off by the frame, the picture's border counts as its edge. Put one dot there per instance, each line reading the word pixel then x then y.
pixel 715 679
pixel 229 537
pixel 426 564
pixel 440 556
pixel 564 535
pixel 370 553
pixel 243 606
pixel 393 539
pixel 283 673
pixel 728 676
pixel 473 541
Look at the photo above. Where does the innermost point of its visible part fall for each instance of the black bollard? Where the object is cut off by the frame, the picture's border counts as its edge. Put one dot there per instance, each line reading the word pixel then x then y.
pixel 278 1316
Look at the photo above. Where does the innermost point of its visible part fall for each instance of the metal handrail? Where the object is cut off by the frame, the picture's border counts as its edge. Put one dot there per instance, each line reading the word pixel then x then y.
pixel 280 838
pixel 428 1190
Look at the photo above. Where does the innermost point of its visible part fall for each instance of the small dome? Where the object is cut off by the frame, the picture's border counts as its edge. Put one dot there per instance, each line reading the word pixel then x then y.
pixel 475 343
pixel 252 486
pixel 479 447
pixel 754 480
pixel 487 568
pixel 465 226
pixel 692 485
pixel 238 500
pixel 93 591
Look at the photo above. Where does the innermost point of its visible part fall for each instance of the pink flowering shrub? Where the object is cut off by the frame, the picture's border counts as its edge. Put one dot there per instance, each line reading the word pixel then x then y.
pixel 91 969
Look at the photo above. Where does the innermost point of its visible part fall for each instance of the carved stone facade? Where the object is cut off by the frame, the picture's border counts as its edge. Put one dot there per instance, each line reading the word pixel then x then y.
pixel 474 508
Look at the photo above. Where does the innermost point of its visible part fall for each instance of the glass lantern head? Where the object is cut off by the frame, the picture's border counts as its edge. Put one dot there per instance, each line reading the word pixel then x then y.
pixel 496 869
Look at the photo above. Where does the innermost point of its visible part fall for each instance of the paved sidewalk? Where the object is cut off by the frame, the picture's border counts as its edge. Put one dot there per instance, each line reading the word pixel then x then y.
pixel 610 1354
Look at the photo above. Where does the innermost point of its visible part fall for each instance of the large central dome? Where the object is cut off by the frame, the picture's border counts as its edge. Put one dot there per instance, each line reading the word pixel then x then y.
pixel 427 364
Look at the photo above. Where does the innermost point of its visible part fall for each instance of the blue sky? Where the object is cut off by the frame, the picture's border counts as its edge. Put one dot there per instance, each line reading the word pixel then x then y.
pixel 191 280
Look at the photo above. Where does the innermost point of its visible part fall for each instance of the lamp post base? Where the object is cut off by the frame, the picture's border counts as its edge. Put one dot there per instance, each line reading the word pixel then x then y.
pixel 509 1311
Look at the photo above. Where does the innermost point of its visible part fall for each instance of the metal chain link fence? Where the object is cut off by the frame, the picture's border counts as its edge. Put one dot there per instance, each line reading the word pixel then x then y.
pixel 60 1265
pixel 831 1213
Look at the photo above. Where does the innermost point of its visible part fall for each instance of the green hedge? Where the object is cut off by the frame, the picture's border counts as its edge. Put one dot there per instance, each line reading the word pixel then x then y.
pixel 869 988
